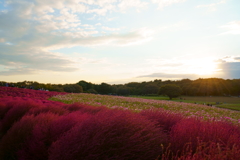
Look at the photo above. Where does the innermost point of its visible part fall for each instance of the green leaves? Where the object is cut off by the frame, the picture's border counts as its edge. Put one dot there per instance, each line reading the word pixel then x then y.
pixel 171 90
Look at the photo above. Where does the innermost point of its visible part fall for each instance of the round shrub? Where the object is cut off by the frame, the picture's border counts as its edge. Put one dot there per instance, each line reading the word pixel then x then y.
pixel 85 108
pixel 162 118
pixel 18 135
pixel 194 132
pixel 17 110
pixel 110 134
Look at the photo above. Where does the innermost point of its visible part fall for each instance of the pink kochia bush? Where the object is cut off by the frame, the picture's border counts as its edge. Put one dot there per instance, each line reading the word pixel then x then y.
pixel 110 134
pixel 17 109
pixel 27 93
pixel 19 133
pixel 84 108
pixel 202 139
pixel 163 119
pixel 35 128
pixel 13 109
pixel 44 134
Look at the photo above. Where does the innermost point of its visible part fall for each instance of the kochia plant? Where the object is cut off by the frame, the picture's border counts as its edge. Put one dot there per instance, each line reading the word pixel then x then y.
pixel 110 134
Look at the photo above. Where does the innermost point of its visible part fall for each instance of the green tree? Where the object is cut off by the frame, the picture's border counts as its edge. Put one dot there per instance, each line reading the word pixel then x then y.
pixel 91 90
pixel 104 88
pixel 123 90
pixel 150 88
pixel 73 88
pixel 171 90
pixel 85 85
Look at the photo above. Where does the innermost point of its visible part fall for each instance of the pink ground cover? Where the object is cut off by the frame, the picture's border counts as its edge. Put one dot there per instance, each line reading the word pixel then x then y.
pixel 27 93
pixel 35 128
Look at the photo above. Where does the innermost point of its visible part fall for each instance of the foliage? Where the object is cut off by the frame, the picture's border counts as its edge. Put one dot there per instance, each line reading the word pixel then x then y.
pixel 27 93
pixel 150 89
pixel 198 87
pixel 123 90
pixel 91 90
pixel 42 129
pixel 104 88
pixel 73 88
pixel 110 134
pixel 163 119
pixel 171 90
pixel 85 85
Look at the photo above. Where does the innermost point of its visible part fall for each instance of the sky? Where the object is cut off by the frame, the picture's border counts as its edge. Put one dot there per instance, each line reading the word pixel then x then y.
pixel 118 41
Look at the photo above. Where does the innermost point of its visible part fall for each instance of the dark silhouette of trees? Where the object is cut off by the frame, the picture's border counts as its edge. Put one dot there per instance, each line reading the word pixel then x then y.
pixel 171 90
pixel 73 88
pixel 123 90
pixel 198 87
pixel 150 89
pixel 104 88
pixel 86 85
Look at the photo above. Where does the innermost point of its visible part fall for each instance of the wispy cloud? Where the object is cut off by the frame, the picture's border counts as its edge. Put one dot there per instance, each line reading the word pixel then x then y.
pixel 126 4
pixel 33 60
pixel 164 3
pixel 170 76
pixel 33 28
pixel 232 27
pixel 111 29
pixel 212 6
pixel 2 40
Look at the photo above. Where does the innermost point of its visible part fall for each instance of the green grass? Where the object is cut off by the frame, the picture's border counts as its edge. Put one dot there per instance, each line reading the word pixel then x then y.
pixel 151 102
pixel 230 106
pixel 221 102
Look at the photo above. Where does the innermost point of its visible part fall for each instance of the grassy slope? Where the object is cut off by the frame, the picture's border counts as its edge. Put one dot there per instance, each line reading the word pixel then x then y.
pixel 138 104
pixel 222 102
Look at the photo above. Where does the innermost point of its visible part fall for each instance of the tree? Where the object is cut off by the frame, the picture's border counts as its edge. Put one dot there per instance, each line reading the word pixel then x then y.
pixel 171 90
pixel 150 88
pixel 104 88
pixel 85 85
pixel 123 90
pixel 91 90
pixel 73 88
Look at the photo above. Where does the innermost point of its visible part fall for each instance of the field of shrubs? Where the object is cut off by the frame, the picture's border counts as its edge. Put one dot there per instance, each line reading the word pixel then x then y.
pixel 101 127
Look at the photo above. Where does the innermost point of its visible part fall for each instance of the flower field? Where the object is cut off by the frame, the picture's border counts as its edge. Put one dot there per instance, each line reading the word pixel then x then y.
pixel 138 104
pixel 112 128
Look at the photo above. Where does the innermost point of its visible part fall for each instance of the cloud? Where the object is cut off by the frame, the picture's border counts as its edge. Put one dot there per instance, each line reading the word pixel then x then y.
pixel 212 6
pixel 111 29
pixel 230 70
pixel 229 67
pixel 2 40
pixel 164 3
pixel 29 61
pixel 237 58
pixel 30 29
pixel 169 76
pixel 232 27
pixel 126 4
pixel 17 71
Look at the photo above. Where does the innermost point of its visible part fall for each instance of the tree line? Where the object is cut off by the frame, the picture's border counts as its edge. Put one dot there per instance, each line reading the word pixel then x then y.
pixel 198 87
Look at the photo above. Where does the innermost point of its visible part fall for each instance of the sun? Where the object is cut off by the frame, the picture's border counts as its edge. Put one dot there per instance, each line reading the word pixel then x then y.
pixel 203 67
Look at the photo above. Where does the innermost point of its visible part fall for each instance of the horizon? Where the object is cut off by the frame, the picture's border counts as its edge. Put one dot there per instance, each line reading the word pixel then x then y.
pixel 122 83
pixel 118 42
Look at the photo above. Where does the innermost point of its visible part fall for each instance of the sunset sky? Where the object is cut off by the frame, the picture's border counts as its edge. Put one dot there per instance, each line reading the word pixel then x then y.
pixel 118 41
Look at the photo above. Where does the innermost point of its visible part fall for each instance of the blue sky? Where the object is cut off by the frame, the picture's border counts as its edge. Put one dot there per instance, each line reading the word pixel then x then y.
pixel 115 41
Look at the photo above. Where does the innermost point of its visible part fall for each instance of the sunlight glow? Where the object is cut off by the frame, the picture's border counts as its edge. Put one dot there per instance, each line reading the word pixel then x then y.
pixel 203 67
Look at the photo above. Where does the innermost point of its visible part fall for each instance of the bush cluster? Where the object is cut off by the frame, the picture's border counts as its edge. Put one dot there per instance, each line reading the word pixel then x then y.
pixel 41 129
